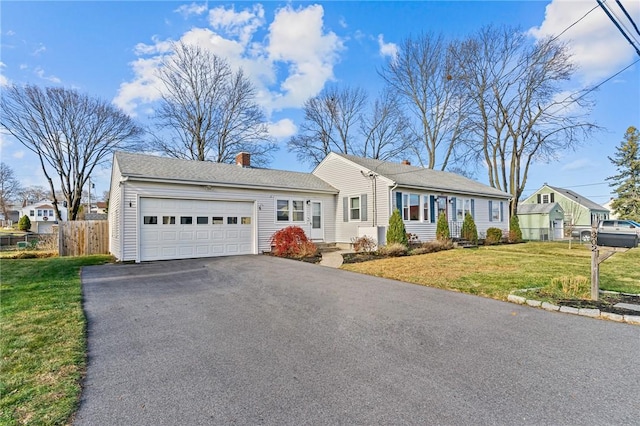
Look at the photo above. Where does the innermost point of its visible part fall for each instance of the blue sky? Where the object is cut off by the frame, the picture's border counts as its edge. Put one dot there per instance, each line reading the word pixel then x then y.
pixel 292 50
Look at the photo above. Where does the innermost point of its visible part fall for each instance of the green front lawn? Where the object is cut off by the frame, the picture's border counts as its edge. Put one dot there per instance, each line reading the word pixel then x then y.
pixel 496 271
pixel 42 338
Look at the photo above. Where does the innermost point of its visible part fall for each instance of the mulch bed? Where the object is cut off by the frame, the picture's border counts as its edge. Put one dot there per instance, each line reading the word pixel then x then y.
pixel 361 257
pixel 605 303
pixel 309 259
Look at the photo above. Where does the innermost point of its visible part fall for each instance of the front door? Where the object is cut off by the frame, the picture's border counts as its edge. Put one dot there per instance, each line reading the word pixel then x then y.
pixel 317 232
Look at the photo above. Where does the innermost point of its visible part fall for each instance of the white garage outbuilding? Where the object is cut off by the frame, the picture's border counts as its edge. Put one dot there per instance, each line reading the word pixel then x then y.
pixel 165 208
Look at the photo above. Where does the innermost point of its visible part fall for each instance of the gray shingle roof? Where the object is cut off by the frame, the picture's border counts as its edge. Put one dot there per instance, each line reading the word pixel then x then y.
pixel 204 172
pixel 537 208
pixel 428 179
pixel 579 198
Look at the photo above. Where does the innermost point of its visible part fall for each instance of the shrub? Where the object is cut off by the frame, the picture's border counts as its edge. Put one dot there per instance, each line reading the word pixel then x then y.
pixel 442 228
pixel 494 236
pixel 363 244
pixel 394 250
pixel 515 233
pixel 292 242
pixel 433 246
pixel 24 223
pixel 469 231
pixel 396 232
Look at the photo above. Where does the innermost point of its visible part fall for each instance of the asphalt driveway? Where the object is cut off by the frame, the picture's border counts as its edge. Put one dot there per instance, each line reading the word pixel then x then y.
pixel 262 340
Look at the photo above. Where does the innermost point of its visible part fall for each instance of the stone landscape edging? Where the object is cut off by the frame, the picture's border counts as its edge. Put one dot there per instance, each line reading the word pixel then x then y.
pixel 585 312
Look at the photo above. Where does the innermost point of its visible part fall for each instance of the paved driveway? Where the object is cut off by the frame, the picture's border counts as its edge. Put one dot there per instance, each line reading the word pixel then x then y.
pixel 261 340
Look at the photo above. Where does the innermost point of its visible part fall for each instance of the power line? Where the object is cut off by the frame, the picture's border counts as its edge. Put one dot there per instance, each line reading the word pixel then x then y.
pixel 628 16
pixel 617 24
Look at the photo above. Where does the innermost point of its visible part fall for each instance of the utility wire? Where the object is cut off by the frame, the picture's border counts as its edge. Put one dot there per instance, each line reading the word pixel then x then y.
pixel 628 16
pixel 624 34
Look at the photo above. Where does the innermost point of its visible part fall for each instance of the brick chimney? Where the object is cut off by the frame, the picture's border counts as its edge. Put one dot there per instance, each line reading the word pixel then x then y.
pixel 243 159
pixel 406 162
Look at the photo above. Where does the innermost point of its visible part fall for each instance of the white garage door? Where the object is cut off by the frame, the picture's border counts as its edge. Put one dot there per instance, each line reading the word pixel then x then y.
pixel 180 229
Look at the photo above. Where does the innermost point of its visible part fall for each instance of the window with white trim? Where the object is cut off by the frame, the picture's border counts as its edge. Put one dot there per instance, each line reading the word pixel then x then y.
pixel 425 208
pixel 289 210
pixel 463 206
pixel 354 208
pixel 496 211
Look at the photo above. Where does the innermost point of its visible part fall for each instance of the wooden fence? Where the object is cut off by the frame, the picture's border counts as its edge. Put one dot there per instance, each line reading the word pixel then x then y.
pixel 83 237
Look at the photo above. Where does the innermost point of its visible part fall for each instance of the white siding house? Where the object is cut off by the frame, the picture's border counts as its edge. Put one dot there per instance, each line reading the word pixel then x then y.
pixel 419 194
pixel 42 216
pixel 165 208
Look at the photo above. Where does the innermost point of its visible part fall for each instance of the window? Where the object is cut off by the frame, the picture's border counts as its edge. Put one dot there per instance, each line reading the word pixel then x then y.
pixel 414 207
pixel 354 208
pixel 425 207
pixel 290 210
pixel 217 220
pixel 232 220
pixel 245 220
pixel 186 220
pixel 495 211
pixel 151 220
pixel 545 198
pixel 39 213
pixel 168 220
pixel 282 210
pixel 298 211
pixel 50 212
pixel 463 206
pixel 202 220
pixel 32 213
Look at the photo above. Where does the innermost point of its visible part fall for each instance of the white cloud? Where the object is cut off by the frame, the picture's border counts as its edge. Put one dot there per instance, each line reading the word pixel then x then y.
pixel 282 129
pixel 40 49
pixel 287 66
pixel 50 78
pixel 297 38
pixel 188 10
pixel 10 33
pixel 23 67
pixel 4 81
pixel 387 49
pixel 18 155
pixel 598 48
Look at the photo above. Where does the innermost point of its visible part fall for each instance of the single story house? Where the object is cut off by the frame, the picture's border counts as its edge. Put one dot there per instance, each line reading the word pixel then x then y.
pixel 579 212
pixel 42 216
pixel 541 222
pixel 167 208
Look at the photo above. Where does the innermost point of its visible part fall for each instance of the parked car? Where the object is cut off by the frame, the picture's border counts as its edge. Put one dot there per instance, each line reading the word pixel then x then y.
pixel 618 233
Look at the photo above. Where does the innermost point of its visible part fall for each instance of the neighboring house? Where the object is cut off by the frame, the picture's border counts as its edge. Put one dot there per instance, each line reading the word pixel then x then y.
pixel 579 212
pixel 542 222
pixel 609 207
pixel 42 216
pixel 14 216
pixel 165 208
pixel 100 208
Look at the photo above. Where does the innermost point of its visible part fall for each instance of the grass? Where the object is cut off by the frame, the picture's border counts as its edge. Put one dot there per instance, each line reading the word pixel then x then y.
pixel 496 271
pixel 42 338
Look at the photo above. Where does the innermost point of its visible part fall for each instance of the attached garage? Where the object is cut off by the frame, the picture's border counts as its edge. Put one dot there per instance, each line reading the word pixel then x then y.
pixel 173 228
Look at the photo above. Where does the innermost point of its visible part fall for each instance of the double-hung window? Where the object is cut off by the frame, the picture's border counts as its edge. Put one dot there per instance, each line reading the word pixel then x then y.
pixel 463 206
pixel 495 211
pixel 289 210
pixel 354 208
pixel 410 206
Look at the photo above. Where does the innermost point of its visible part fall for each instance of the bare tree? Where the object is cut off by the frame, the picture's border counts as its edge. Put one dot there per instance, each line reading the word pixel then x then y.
pixel 329 122
pixel 208 111
pixel 385 130
pixel 9 188
pixel 70 133
pixel 33 194
pixel 425 75
pixel 519 115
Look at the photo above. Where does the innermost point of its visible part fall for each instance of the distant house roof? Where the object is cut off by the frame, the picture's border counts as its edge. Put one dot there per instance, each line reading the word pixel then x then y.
pixel 428 179
pixel 140 166
pixel 538 208
pixel 579 198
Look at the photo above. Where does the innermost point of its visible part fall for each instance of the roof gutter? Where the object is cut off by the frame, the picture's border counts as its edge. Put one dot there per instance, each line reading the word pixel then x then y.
pixel 228 185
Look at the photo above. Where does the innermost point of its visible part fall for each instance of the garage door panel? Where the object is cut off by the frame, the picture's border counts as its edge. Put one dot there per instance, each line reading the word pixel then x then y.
pixel 178 228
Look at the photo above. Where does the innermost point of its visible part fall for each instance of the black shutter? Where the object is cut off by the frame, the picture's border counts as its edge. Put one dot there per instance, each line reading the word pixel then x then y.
pixel 539 199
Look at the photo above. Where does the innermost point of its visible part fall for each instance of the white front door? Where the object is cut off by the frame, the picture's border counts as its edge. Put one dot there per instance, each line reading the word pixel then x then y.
pixel 317 231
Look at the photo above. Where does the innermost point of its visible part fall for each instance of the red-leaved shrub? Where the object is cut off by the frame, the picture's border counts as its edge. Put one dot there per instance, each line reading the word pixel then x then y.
pixel 292 242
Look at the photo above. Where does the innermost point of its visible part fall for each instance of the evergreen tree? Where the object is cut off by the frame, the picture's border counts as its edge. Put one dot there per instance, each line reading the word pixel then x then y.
pixel 24 223
pixel 627 181
pixel 515 233
pixel 396 232
pixel 442 228
pixel 469 230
